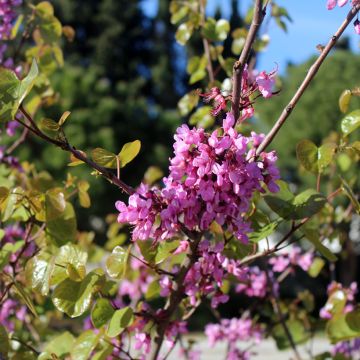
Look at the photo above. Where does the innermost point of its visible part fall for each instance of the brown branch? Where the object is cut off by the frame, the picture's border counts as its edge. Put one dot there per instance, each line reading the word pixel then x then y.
pixel 239 66
pixel 278 311
pixel 306 82
pixel 64 145
pixel 206 45
pixel 176 295
pixel 18 142
pixel 294 227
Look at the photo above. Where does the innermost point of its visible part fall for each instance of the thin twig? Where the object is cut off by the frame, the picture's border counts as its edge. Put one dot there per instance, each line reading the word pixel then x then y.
pixel 176 295
pixel 306 82
pixel 239 66
pixel 278 311
pixel 206 45
pixel 18 142
pixel 64 145
pixel 26 345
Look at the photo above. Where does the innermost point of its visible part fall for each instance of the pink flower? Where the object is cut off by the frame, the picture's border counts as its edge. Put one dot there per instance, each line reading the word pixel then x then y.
pixel 142 341
pixel 266 82
pixel 357 26
pixel 219 100
pixel 166 286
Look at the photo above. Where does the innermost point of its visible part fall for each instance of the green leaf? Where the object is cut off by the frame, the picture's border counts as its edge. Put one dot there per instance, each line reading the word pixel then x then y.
pixel 128 152
pixel 315 159
pixel 49 26
pixel 4 193
pixel 188 102
pixel 9 89
pixel 338 329
pixel 55 203
pixel 313 237
pixel 71 262
pixel 281 202
pixel 325 155
pixel 148 250
pixel 104 158
pixel 287 206
pixel 264 232
pixel 24 296
pixel 101 312
pixel 104 353
pixel 350 122
pixel 153 290
pixel 153 174
pixel 307 203
pixel 28 82
pixel 116 263
pixel 84 198
pixel 216 30
pixel 4 343
pixel 184 32
pixel 49 127
pixel 84 345
pixel 63 229
pixel 59 345
pixel 64 117
pixel 348 191
pixel 222 29
pixel 336 302
pixel 120 320
pixel 38 272
pixel 165 249
pixel 197 76
pixel 177 16
pixel 353 320
pixel 344 100
pixel 316 267
pixel 202 117
pixel 13 91
pixel 74 298
pixel 297 331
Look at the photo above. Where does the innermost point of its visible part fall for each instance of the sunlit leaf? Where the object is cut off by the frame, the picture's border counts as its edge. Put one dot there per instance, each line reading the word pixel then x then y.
pixel 128 152
pixel 4 342
pixel 120 320
pixel 104 158
pixel 116 263
pixel 344 100
pixel 84 345
pixel 74 298
pixel 101 312
pixel 350 122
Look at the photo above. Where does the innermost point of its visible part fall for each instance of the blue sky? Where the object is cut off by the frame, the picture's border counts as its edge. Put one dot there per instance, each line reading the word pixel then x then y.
pixel 312 24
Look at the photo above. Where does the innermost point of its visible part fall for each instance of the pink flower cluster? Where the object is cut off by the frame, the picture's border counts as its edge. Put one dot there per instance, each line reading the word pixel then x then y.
pixel 212 178
pixel 295 257
pixel 341 293
pixel 234 330
pixel 331 4
pixel 206 276
pixel 9 309
pixel 7 17
pixel 254 284
pixel 348 349
pixel 263 83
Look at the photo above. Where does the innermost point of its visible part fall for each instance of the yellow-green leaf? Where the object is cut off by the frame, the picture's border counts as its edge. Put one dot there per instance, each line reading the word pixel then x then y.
pixel 128 152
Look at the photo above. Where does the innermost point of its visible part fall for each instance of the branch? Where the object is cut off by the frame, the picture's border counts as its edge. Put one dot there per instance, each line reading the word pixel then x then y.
pixel 249 259
pixel 306 82
pixel 64 145
pixel 278 311
pixel 176 295
pixel 239 66
pixel 206 45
